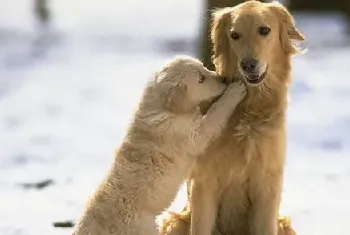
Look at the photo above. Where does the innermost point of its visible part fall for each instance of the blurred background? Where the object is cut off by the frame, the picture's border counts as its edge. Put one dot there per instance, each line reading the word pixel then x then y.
pixel 72 72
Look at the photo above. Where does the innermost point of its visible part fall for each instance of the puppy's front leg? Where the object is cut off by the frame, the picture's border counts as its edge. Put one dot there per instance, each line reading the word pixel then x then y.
pixel 219 113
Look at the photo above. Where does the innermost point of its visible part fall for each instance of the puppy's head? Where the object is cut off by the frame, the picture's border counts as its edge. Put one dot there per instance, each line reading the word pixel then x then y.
pixel 185 83
pixel 253 40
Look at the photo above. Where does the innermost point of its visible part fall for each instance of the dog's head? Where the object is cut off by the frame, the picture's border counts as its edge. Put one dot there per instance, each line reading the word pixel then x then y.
pixel 253 41
pixel 184 83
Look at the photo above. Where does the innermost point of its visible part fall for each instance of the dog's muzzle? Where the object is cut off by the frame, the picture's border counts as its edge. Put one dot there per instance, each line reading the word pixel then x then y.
pixel 253 71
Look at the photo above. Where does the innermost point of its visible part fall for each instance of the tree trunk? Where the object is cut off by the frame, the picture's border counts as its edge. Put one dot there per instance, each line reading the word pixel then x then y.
pixel 41 11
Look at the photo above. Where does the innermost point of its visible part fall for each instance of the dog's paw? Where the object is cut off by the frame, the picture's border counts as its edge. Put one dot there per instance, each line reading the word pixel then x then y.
pixel 237 90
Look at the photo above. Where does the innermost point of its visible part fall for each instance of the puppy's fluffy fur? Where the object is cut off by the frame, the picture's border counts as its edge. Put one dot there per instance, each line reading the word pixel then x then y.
pixel 160 147
pixel 237 185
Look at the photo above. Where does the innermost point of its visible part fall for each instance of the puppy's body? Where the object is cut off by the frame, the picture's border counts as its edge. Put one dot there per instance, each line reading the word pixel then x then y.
pixel 237 184
pixel 160 148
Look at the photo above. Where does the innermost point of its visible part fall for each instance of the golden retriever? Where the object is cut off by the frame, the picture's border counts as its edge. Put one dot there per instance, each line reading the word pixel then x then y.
pixel 236 186
pixel 160 147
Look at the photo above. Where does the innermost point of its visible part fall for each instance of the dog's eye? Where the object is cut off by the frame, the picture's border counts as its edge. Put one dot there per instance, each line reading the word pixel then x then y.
pixel 201 78
pixel 235 35
pixel 264 31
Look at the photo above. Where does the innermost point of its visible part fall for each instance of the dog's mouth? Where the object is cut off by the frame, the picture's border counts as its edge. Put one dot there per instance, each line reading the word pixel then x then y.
pixel 255 79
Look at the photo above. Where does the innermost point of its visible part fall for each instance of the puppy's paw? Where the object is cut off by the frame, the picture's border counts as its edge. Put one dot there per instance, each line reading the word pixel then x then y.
pixel 237 90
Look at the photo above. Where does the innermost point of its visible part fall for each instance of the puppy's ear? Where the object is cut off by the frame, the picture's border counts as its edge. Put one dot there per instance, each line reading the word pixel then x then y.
pixel 289 34
pixel 174 99
pixel 220 24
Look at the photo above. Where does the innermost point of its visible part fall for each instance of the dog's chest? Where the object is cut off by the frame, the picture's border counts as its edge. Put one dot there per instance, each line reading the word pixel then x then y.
pixel 246 123
pixel 244 129
pixel 249 134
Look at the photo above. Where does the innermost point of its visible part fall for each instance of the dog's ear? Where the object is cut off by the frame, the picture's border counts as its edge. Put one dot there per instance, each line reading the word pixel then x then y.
pixel 221 19
pixel 289 34
pixel 174 99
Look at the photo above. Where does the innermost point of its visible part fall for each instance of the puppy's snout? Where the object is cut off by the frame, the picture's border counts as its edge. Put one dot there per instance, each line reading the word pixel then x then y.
pixel 249 65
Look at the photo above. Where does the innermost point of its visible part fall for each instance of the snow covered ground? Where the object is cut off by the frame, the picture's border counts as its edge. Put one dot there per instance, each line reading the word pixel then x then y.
pixel 66 96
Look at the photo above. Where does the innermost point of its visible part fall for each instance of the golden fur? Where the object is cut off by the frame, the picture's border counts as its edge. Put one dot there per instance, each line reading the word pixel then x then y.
pixel 160 147
pixel 179 224
pixel 236 186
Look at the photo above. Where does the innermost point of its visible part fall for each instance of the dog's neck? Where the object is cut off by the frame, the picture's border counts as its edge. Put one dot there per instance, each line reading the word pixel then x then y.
pixel 180 107
pixel 264 101
pixel 154 104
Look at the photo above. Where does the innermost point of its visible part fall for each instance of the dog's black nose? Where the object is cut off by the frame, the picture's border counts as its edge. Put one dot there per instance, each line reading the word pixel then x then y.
pixel 249 65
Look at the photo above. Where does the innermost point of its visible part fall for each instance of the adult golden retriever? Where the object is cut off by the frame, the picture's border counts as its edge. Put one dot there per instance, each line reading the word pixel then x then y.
pixel 236 187
pixel 160 147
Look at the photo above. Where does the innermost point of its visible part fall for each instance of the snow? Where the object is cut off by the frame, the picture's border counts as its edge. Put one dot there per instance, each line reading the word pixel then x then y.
pixel 67 94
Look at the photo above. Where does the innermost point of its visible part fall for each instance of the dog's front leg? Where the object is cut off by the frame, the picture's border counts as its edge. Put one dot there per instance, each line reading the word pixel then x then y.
pixel 204 209
pixel 266 197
